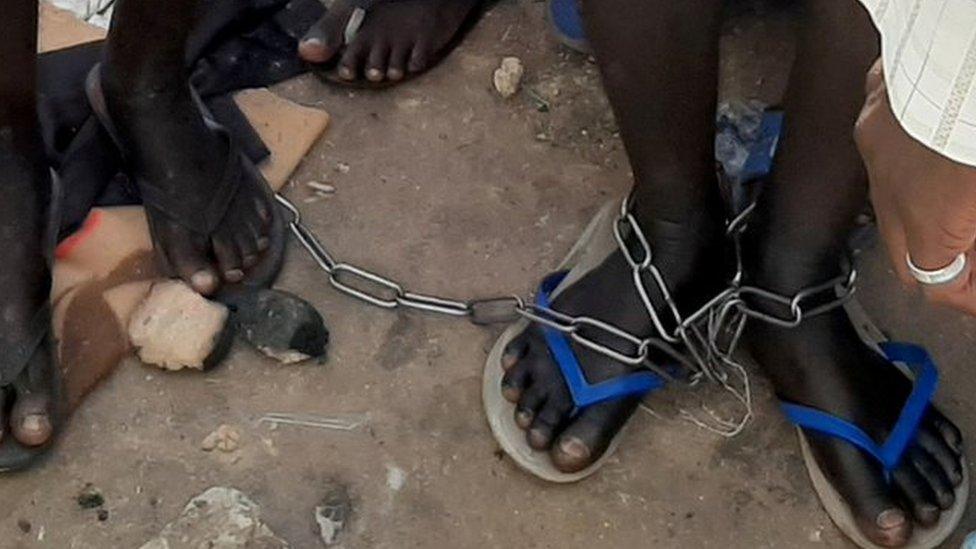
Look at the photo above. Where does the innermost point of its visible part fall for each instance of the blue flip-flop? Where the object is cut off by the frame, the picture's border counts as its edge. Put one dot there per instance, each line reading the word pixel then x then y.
pixel 596 244
pixel 916 364
pixel 567 24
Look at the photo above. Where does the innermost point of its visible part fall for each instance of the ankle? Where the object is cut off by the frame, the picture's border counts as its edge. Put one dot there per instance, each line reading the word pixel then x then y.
pixel 142 90
pixel 787 268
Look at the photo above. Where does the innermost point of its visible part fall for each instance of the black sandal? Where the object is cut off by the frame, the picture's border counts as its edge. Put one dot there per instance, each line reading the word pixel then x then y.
pixel 204 218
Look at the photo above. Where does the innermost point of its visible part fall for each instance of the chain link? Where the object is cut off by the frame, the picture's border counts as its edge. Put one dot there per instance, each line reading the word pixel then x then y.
pixel 702 343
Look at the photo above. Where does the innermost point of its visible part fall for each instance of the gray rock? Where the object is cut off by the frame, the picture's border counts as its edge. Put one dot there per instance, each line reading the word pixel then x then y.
pixel 333 514
pixel 220 518
pixel 280 325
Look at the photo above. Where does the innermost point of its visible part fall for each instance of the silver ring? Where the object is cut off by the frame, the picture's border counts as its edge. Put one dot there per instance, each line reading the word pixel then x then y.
pixel 937 276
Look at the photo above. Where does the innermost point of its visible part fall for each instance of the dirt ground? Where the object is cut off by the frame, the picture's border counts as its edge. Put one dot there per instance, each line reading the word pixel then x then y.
pixel 447 187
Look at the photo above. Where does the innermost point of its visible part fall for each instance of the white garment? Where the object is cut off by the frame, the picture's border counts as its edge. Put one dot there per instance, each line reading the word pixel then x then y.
pixel 929 53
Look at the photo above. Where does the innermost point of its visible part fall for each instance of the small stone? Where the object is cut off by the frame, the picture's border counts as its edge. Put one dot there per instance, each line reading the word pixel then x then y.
pixel 342 168
pixel 225 438
pixel 177 328
pixel 102 515
pixel 24 525
pixel 321 187
pixel 281 325
pixel 333 513
pixel 508 77
pixel 90 498
pixel 221 518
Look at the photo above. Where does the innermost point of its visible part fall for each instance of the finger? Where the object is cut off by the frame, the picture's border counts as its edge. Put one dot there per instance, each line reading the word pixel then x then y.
pixel 959 293
pixel 875 77
pixel 228 259
pixel 547 422
pixel 917 493
pixel 950 433
pixel 893 235
pixel 529 404
pixel 939 449
pixel 377 62
pixel 321 43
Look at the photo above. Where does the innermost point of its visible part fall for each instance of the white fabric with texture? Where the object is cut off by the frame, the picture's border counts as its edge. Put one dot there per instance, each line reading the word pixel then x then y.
pixel 929 53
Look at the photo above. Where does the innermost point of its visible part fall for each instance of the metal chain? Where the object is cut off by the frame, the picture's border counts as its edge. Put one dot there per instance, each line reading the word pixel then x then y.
pixel 702 344
pixel 595 334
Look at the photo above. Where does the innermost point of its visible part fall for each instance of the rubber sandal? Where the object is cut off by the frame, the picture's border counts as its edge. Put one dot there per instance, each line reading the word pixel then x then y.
pixel 596 244
pixel 916 364
pixel 14 362
pixel 203 218
pixel 329 72
pixel 566 22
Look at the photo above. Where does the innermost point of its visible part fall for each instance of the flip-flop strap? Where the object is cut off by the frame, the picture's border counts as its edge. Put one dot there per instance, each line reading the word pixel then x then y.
pixel 14 358
pixel 200 217
pixel 889 453
pixel 584 393
pixel 566 17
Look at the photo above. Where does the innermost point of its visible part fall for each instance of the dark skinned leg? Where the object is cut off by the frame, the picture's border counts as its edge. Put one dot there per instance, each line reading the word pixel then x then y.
pixel 24 280
pixel 798 239
pixel 147 91
pixel 397 38
pixel 659 61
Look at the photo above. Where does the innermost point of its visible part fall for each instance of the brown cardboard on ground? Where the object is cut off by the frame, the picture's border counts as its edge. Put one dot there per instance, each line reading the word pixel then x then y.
pixel 114 249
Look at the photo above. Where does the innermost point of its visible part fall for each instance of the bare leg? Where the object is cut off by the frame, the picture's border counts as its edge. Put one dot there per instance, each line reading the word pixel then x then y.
pixel 802 224
pixel 659 61
pixel 147 91
pixel 24 279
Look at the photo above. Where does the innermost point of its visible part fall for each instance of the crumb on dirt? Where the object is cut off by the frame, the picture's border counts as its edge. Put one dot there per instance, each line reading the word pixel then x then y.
pixel 90 497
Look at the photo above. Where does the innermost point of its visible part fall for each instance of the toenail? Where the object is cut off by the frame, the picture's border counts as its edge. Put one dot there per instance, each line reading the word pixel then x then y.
pixel 891 518
pixel 374 74
pixel 263 243
pixel 313 42
pixel 523 418
pixel 394 74
pixel 34 423
pixel 202 280
pixel 574 448
pixel 539 438
pixel 346 73
pixel 234 275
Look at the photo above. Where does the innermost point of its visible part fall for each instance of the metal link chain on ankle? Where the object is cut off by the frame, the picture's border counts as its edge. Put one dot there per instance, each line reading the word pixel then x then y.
pixel 744 300
pixel 387 293
pixel 702 343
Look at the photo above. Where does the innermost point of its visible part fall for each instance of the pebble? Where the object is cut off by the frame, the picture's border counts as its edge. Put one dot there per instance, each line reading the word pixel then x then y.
pixel 222 518
pixel 90 498
pixel 508 77
pixel 321 187
pixel 225 438
pixel 333 514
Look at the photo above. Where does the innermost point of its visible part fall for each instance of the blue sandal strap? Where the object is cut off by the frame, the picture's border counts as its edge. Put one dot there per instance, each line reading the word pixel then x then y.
pixel 566 18
pixel 583 392
pixel 889 453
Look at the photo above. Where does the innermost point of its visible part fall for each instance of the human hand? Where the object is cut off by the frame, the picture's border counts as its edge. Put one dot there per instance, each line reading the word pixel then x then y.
pixel 925 203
